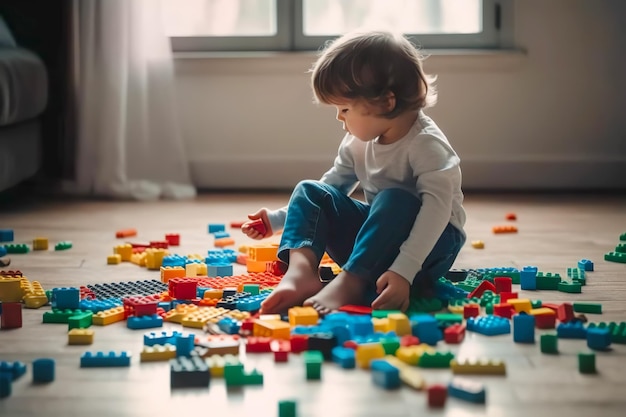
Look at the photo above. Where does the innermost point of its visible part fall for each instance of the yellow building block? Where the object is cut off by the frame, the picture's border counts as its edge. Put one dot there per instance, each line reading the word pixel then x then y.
pixel 399 323
pixel 303 316
pixel 367 352
pixel 478 244
pixel 181 311
pixel 169 272
pixel 80 337
pixel 263 253
pixel 34 295
pixel 542 311
pixel 410 375
pixel 521 304
pixel 411 354
pixel 201 316
pixel 154 258
pixel 191 270
pixel 201 269
pixel 11 290
pixel 125 251
pixel 157 353
pixel 478 367
pixel 114 259
pixel 216 364
pixel 256 266
pixel 276 329
pixel 380 324
pixel 40 243
pixel 213 293
pixel 138 259
pixel 106 317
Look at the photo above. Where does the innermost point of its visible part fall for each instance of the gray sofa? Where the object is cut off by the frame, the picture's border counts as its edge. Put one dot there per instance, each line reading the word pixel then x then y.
pixel 23 98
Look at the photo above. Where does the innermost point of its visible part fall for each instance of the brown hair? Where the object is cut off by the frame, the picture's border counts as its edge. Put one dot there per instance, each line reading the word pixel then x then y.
pixel 370 65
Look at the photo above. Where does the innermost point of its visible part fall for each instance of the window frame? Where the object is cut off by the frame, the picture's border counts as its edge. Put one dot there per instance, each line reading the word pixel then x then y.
pixel 290 35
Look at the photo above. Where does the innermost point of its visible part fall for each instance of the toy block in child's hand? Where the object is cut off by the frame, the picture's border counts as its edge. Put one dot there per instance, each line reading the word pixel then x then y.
pixel 259 226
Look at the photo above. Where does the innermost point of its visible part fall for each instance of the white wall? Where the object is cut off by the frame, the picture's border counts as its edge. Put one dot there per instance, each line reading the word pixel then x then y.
pixel 551 117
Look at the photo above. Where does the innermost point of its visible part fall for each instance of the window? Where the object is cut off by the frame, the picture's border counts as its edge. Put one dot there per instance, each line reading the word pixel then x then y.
pixel 257 25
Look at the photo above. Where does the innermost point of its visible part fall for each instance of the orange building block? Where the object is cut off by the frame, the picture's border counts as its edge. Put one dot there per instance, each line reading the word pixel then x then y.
pixel 169 272
pixel 263 253
pixel 225 241
pixel 303 316
pixel 125 233
pixel 504 229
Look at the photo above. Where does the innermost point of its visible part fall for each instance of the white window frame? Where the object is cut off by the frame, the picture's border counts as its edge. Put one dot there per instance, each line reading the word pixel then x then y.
pixel 290 34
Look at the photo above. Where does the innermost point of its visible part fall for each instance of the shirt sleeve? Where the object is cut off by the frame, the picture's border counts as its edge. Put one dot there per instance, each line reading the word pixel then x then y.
pixel 341 176
pixel 436 167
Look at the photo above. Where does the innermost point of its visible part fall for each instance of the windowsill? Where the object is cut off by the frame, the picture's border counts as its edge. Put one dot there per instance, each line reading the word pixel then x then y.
pixel 439 60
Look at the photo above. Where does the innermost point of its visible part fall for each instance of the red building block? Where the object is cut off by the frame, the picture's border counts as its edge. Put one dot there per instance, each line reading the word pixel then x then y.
pixel 140 306
pixel 159 244
pixel 259 226
pixel 506 296
pixel 182 288
pixel 437 395
pixel 503 310
pixel 480 290
pixel 172 239
pixel 409 340
pixel 299 343
pixel 236 224
pixel 471 310
pixel 11 317
pixel 565 313
pixel 503 284
pixel 454 334
pixel 545 321
pixel 511 216
pixel 355 309
pixel 281 349
pixel 258 344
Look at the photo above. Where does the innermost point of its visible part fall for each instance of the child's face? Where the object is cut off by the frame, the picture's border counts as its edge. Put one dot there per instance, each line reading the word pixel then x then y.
pixel 360 119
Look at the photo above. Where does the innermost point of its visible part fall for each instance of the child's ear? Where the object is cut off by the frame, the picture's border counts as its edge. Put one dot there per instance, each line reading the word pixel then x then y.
pixel 390 101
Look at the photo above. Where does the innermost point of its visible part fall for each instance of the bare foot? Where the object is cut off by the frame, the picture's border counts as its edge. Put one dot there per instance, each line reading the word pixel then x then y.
pixel 300 282
pixel 345 289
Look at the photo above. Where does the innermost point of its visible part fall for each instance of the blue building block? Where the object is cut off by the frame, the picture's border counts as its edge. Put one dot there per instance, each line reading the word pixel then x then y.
pixel 14 369
pixel 251 303
pixel 43 370
pixel 165 305
pixel 524 328
pixel 216 259
pixel 489 325
pixel 585 264
pixel 66 298
pixel 216 227
pixel 174 260
pixel 598 338
pixel 571 330
pixel 219 235
pixel 344 357
pixel 189 372
pixel 5 385
pixel 229 325
pixel 200 291
pixel 105 360
pixel 230 254
pixel 426 328
pixel 361 326
pixel 466 390
pixel 184 344
pixel 96 306
pixel 144 322
pixel 445 290
pixel 384 374
pixel 221 270
pixel 161 338
pixel 3 251
pixel 6 235
pixel 528 278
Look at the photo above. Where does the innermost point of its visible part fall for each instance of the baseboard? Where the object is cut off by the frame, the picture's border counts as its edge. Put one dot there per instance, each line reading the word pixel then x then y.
pixel 249 172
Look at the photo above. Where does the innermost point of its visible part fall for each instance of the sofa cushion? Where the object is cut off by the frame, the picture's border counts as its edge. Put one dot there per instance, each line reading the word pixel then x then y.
pixel 23 85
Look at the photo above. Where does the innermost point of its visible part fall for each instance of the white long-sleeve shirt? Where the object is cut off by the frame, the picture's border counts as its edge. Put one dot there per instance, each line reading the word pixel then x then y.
pixel 422 163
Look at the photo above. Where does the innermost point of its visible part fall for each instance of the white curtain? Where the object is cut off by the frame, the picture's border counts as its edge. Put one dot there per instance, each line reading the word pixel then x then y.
pixel 129 140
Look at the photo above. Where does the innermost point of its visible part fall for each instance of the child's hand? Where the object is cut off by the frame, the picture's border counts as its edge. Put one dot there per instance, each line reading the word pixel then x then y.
pixel 393 292
pixel 259 225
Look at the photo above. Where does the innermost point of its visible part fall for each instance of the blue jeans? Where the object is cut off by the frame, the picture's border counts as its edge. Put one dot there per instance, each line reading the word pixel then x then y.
pixel 363 239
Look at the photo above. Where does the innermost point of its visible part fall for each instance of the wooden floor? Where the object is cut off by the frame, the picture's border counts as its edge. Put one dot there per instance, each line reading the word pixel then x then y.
pixel 555 231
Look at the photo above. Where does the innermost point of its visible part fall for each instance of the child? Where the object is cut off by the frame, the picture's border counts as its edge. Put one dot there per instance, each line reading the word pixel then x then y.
pixel 409 230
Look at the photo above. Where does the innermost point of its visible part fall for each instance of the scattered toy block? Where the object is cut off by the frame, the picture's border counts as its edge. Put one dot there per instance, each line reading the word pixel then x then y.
pixel 478 244
pixel 454 334
pixel 524 328
pixel 470 391
pixel 489 325
pixel 571 330
pixel 549 343
pixel 172 239
pixel 123 233
pixel 114 259
pixel 11 317
pixel 43 370
pixel 189 372
pixel 504 229
pixel 216 227
pixel 80 337
pixel 593 308
pixel 64 245
pixel 384 374
pixel 587 363
pixel 101 359
pixel 437 395
pixel 106 317
pixel 598 338
pixel 313 364
pixel 40 243
pixel 157 353
pixel 287 408
pixel 144 322
pixel 585 265
pixel 503 284
pixel 478 367
pixel 6 235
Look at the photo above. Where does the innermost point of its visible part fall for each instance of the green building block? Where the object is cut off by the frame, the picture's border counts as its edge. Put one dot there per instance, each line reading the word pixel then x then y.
pixel 622 237
pixel 435 360
pixel 424 305
pixel 575 273
pixel 620 248
pixel 82 320
pixel 390 345
pixel 60 316
pixel 549 343
pixel 593 308
pixel 313 361
pixel 587 363
pixel 489 309
pixel 253 378
pixel 548 281
pixel 287 408
pixel 63 245
pixel 570 287
pixel 615 257
pixel 381 314
pixel 17 248
pixel 536 303
pixel 447 319
pixel 253 289
pixel 233 375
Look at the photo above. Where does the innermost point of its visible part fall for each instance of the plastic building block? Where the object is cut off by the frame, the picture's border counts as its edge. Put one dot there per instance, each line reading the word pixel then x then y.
pixel 59 316
pixel 426 328
pixel 465 390
pixel 454 334
pixel 511 216
pixel 303 316
pixel 478 367
pixel 189 372
pixel 43 370
pixel 505 310
pixel 549 343
pixel 344 357
pixel 125 233
pixel 96 306
pixel 478 244
pixel 616 330
pixel 40 243
pixel 259 226
pixel 504 229
pixel 144 322
pixel 161 338
pixel 3 252
pixel 80 337
pixel 528 278
pixel 157 353
pixel 437 395
pixel 548 281
pixel 10 289
pixel 598 338
pixel 592 308
pixel 435 360
pixel 65 298
pixel 355 309
pixel 503 284
pixel 34 295
pixel 17 248
pixel 216 227
pixel 615 257
pixel 184 344
pixel 101 359
pixel 287 408
pixel 565 313
pixel 524 328
pixel 585 264
pixel 484 286
pixel 489 325
pixel 105 317
pixel 587 363
pixel 545 318
pixel 570 287
pixel 384 374
pixel 64 245
pixel 313 363
pixel 11 317
pixel 571 330
pixel 15 370
pixel 6 235
pixel 5 385
pixel 521 305
pixel 81 320
pixel 221 270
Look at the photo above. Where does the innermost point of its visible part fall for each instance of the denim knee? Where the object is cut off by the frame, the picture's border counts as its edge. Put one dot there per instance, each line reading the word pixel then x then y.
pixel 400 201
